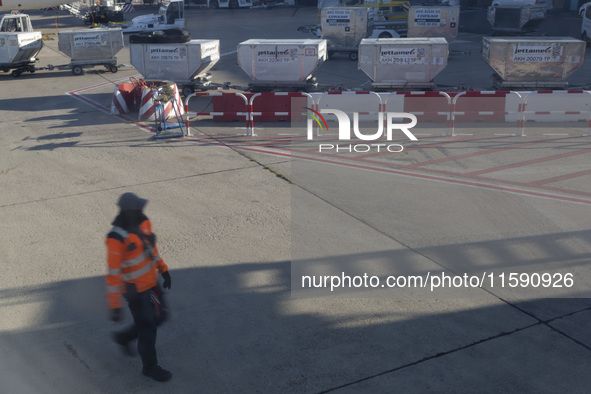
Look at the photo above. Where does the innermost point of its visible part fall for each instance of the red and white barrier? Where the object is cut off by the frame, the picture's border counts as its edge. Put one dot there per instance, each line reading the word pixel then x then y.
pixel 118 105
pixel 125 98
pixel 286 113
pixel 128 8
pixel 542 105
pixel 451 108
pixel 246 113
pixel 483 105
pixel 147 104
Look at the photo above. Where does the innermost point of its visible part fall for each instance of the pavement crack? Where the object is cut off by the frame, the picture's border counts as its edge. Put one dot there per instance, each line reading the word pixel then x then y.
pixel 432 357
pixel 126 186
pixel 74 354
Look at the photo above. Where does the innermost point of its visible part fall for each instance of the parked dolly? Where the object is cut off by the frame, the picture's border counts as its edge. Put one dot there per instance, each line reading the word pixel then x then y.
pixel 19 44
pixel 91 47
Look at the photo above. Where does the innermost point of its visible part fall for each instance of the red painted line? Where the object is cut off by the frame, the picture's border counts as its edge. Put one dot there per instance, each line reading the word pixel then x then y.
pixel 561 178
pixel 102 84
pixel 436 144
pixel 101 108
pixel 440 179
pixel 485 152
pixel 528 162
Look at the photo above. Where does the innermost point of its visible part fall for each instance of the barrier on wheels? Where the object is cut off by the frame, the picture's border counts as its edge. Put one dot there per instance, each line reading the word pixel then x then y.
pixel 409 107
pixel 247 110
pixel 287 114
pixel 496 110
pixel 563 93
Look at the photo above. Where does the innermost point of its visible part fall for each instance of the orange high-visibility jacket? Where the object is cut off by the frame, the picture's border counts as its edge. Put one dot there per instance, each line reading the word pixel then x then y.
pixel 131 260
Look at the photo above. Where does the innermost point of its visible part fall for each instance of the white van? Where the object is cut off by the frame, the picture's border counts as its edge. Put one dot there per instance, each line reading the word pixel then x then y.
pixel 523 3
pixel 586 25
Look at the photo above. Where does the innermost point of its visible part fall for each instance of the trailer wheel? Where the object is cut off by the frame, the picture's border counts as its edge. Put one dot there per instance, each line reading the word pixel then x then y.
pixel 353 55
pixel 77 70
pixel 385 34
pixel 16 73
pixel 5 69
pixel 113 69
pixel 214 4
pixel 233 4
pixel 187 90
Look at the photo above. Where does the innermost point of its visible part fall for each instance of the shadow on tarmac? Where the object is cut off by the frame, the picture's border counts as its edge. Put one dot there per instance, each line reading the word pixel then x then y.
pixel 230 331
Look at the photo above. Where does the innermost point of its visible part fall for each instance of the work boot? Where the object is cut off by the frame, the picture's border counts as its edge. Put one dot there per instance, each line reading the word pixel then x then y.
pixel 157 373
pixel 123 343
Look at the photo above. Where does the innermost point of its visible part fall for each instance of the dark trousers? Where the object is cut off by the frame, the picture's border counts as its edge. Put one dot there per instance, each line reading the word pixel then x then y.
pixel 146 319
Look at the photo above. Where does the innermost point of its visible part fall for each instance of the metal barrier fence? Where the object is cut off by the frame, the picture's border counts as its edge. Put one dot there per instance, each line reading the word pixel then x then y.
pixel 274 113
pixel 450 107
pixel 483 94
pixel 428 94
pixel 247 109
pixel 558 93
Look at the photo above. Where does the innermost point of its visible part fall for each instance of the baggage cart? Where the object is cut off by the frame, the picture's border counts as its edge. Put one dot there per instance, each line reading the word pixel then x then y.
pixel 91 47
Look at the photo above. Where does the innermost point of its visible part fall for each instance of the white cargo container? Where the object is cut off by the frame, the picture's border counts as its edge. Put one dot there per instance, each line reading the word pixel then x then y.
pixel 19 47
pixel 516 19
pixel 281 62
pixel 403 62
pixel 90 44
pixel 434 21
pixel 533 61
pixel 184 63
pixel 91 47
pixel 19 44
pixel 18 50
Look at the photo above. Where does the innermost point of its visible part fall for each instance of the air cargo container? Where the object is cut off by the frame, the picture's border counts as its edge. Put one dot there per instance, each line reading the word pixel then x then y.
pixel 281 63
pixel 187 63
pixel 403 62
pixel 533 61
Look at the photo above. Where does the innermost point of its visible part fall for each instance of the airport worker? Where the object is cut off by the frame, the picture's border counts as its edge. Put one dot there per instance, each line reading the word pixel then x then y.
pixel 134 264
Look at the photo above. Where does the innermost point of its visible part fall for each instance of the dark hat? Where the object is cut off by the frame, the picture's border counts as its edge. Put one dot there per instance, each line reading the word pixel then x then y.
pixel 131 202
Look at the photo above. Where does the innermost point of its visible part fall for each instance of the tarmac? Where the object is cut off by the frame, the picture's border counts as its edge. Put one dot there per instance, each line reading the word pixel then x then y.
pixel 241 219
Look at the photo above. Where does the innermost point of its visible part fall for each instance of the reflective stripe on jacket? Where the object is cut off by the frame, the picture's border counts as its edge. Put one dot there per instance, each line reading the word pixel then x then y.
pixel 131 260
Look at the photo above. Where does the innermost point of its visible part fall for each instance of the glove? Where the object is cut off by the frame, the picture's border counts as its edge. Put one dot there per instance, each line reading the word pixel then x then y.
pixel 116 314
pixel 166 283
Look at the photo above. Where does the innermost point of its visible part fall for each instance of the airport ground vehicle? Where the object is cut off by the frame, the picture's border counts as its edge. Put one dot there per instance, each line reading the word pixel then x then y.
pixel 170 16
pixel 215 4
pixel 547 4
pixel 586 25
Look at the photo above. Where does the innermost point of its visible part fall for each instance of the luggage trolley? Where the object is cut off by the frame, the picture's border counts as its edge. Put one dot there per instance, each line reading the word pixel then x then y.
pixel 91 47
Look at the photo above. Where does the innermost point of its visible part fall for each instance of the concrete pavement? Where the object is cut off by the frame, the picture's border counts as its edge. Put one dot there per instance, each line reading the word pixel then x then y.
pixel 232 232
